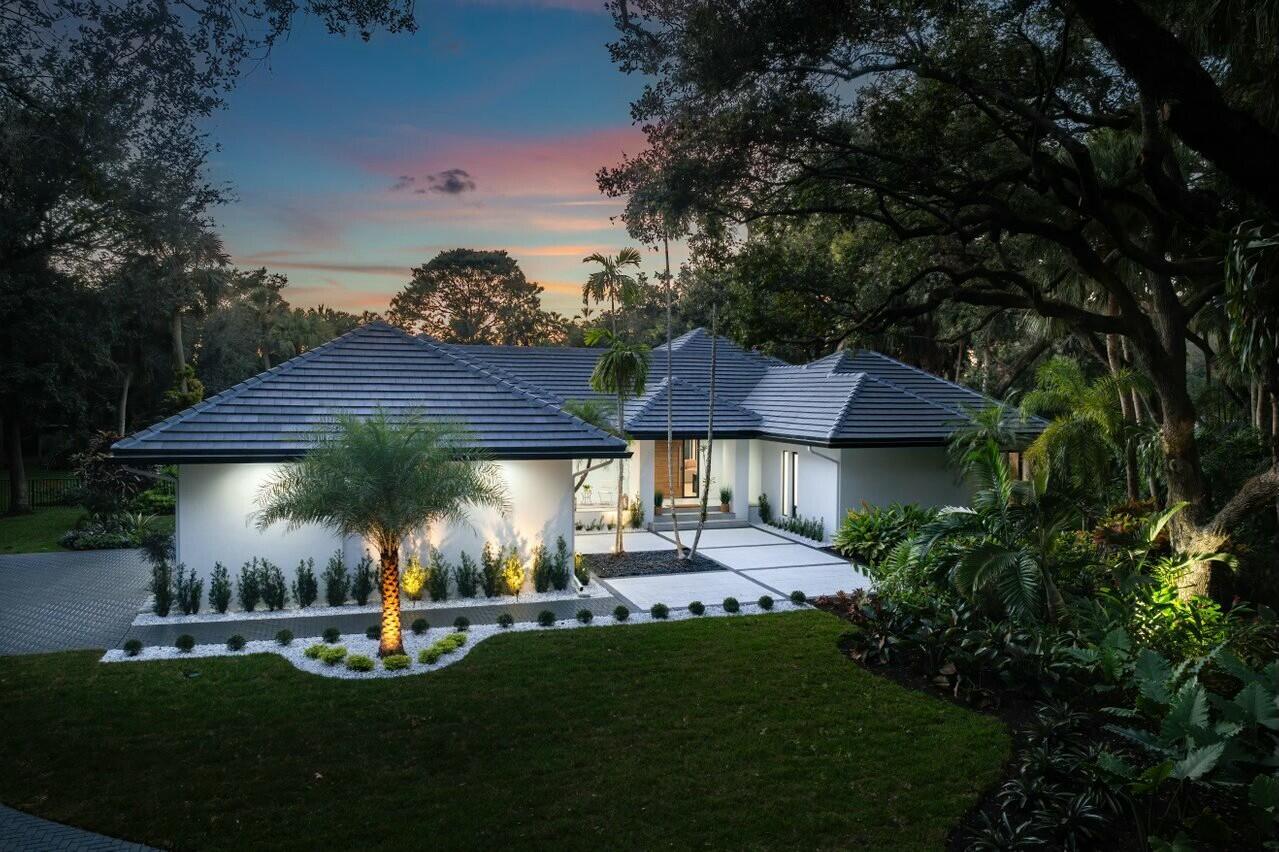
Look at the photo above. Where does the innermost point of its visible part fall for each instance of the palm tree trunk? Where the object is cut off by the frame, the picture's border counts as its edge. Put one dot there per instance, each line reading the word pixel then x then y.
pixel 670 411
pixel 392 641
pixel 618 549
pixel 710 442
pixel 123 408
pixel 179 352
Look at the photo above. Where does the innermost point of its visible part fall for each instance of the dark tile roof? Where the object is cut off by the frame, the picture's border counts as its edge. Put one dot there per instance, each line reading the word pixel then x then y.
pixel 275 415
pixel 848 398
pixel 646 416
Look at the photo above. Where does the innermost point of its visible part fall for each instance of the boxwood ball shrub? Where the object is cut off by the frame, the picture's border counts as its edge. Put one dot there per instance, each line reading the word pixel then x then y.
pixel 585 616
pixel 331 635
pixel 420 626
pixel 313 652
pixel 505 620
pixel 621 613
pixel 284 637
pixel 235 643
pixel 359 663
pixel 461 624
pixel 373 631
pixel 332 655
pixel 731 605
pixel 546 618
pixel 798 597
pixel 133 647
pixel 765 602
pixel 697 607
pixel 185 643
pixel 396 662
pixel 660 610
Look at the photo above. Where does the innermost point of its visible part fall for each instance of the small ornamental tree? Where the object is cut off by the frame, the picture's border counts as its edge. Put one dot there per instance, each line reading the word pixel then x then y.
pixel 381 478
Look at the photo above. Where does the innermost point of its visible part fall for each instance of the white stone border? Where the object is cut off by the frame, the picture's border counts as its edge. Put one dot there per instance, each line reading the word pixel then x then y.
pixel 358 643
pixel 788 535
pixel 147 618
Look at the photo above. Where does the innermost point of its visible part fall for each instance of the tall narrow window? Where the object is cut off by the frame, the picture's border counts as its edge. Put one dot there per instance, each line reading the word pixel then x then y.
pixel 790 483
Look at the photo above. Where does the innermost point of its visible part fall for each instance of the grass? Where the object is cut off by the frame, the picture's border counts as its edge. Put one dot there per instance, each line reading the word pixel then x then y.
pixel 745 732
pixel 39 531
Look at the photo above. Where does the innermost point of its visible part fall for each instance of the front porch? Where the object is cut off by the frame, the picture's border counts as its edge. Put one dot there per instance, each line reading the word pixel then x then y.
pixel 677 470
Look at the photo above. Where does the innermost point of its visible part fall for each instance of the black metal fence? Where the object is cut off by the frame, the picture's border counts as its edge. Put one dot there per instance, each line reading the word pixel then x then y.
pixel 61 491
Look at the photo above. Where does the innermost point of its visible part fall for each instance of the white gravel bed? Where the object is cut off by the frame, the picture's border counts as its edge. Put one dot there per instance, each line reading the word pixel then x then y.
pixel 147 618
pixel 358 643
pixel 787 534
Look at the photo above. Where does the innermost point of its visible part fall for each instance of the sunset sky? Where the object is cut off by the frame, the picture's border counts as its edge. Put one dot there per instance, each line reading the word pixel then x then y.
pixel 353 161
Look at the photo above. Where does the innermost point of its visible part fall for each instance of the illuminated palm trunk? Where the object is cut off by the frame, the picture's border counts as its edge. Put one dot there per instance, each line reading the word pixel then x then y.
pixel 389 584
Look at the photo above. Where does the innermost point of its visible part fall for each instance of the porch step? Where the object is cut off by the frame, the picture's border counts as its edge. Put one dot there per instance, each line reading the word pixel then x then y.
pixel 715 519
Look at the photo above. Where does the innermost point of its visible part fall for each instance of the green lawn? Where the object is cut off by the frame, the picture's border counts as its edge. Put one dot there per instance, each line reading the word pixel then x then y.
pixel 744 732
pixel 39 531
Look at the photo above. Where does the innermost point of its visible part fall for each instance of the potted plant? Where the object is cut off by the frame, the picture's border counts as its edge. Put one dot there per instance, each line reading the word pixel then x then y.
pixel 725 498
pixel 658 499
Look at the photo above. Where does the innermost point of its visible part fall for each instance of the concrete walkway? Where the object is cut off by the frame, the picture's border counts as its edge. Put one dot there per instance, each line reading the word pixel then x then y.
pixel 22 832
pixel 69 600
pixel 758 562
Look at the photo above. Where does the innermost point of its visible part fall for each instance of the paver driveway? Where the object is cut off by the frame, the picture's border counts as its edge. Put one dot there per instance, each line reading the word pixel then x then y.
pixel 63 601
pixel 759 563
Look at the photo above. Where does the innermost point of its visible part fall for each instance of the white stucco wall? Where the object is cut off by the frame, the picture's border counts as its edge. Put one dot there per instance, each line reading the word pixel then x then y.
pixel 817 491
pixel 885 475
pixel 215 502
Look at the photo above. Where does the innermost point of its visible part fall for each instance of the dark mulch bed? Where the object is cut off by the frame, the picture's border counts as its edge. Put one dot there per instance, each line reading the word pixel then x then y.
pixel 649 563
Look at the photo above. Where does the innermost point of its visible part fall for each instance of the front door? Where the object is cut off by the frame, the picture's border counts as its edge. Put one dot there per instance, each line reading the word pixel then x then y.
pixel 690 467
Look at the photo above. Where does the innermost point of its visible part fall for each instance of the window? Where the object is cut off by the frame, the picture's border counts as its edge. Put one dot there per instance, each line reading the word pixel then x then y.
pixel 790 483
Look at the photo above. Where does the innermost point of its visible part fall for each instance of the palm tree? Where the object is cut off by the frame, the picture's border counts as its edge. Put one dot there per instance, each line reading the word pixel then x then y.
pixel 381 479
pixel 670 406
pixel 1008 540
pixel 611 282
pixel 1087 431
pixel 622 369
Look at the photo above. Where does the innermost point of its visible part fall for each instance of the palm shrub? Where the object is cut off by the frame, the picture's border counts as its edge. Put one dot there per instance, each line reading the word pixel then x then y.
pixel 250 585
pixel 220 588
pixel 467 576
pixel 305 587
pixel 362 580
pixel 188 589
pixel 437 576
pixel 275 591
pixel 337 580
pixel 491 571
pixel 580 571
pixel 381 478
pixel 1006 547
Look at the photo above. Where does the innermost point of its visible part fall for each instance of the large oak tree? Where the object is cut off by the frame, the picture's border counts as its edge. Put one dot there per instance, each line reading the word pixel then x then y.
pixel 1029 171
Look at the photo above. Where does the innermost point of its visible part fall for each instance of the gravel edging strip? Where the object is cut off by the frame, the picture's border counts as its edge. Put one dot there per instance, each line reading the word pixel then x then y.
pixel 358 643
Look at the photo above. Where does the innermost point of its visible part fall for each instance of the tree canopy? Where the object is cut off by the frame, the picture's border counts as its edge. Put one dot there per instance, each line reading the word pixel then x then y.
pixel 474 296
